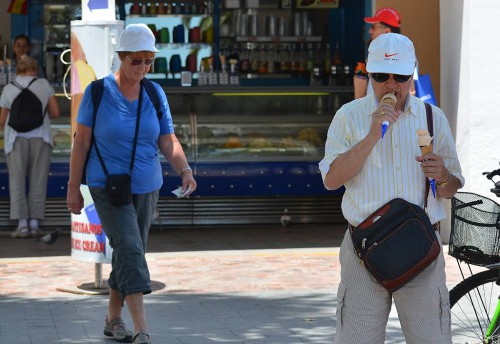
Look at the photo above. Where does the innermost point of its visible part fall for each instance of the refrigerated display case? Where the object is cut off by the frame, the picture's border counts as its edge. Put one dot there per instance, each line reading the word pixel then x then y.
pixel 254 153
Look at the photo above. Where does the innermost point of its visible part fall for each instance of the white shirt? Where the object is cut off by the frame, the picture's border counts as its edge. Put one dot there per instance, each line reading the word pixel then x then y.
pixel 390 170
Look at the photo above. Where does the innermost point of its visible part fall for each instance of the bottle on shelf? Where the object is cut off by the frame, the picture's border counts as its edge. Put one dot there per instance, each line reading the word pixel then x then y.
pixel 302 60
pixel 293 60
pixel 285 59
pixel 254 59
pixel 245 59
pixel 263 60
pixel 328 61
pixel 161 8
pixel 212 76
pixel 223 76
pixel 309 58
pixel 347 76
pixel 202 75
pixel 270 59
pixel 333 75
pixel 276 59
pixel 234 78
pixel 135 8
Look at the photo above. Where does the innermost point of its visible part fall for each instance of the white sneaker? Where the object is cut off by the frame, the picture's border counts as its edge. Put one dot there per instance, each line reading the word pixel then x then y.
pixel 20 232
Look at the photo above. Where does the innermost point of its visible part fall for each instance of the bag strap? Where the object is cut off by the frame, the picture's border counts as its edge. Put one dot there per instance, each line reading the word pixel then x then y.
pixel 430 128
pixel 153 96
pixel 94 142
pixel 18 85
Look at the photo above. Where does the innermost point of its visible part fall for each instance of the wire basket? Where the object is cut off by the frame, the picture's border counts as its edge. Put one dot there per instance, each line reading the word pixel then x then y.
pixel 475 229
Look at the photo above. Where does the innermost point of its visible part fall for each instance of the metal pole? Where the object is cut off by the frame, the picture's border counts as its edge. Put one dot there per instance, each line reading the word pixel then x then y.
pixel 98 275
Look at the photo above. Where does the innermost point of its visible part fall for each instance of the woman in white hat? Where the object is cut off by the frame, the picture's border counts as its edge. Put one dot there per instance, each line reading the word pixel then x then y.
pixel 124 108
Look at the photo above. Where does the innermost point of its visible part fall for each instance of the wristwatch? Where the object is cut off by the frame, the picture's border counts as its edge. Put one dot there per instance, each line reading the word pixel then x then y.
pixel 443 184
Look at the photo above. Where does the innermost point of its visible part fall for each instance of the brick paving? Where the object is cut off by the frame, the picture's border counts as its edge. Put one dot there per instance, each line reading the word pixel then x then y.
pixel 229 285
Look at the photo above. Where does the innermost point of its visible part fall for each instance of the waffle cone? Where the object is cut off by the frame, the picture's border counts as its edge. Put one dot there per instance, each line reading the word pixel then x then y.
pixel 426 149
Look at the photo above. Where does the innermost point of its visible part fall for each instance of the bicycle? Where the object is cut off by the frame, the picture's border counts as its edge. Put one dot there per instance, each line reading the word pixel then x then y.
pixel 475 243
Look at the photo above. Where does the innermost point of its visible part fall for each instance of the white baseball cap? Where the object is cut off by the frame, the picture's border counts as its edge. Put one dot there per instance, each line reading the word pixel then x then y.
pixel 391 53
pixel 137 37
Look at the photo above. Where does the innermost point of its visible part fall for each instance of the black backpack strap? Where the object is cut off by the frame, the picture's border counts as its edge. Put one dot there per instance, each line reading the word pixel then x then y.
pixel 430 128
pixel 32 81
pixel 153 95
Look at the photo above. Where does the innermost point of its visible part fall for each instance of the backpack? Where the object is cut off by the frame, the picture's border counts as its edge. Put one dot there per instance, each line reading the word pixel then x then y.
pixel 27 112
pixel 97 89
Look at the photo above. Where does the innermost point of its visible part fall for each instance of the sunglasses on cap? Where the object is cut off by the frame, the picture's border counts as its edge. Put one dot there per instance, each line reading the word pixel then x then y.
pixel 383 77
pixel 139 62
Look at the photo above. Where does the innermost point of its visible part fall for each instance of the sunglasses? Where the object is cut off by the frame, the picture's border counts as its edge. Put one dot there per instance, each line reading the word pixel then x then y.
pixel 383 77
pixel 139 62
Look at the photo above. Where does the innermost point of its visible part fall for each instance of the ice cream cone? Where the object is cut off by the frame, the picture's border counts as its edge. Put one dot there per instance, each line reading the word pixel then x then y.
pixel 426 149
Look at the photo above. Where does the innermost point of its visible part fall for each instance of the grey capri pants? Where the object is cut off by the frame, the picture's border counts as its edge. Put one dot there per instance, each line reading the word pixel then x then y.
pixel 127 228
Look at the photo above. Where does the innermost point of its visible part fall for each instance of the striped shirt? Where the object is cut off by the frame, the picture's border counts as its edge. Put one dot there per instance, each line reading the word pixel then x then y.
pixel 390 170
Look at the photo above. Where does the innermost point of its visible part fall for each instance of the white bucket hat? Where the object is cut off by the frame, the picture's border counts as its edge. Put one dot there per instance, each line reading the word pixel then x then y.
pixel 137 37
pixel 391 53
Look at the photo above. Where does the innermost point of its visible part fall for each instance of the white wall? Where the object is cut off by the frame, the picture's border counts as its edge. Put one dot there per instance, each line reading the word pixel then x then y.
pixel 478 102
pixel 470 95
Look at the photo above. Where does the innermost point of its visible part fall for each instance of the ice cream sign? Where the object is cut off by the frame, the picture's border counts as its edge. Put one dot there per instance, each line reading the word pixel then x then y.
pixel 97 10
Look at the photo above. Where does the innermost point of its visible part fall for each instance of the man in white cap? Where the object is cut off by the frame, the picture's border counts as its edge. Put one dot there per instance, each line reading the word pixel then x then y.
pixel 113 140
pixel 375 170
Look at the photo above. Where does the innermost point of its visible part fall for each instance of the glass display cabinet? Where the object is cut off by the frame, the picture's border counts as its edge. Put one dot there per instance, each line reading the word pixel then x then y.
pixel 254 152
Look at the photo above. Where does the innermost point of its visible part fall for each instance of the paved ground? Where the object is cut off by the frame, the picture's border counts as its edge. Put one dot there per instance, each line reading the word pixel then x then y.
pixel 245 284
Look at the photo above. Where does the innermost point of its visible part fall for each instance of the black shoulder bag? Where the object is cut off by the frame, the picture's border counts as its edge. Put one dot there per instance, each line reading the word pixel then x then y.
pixel 119 186
pixel 397 241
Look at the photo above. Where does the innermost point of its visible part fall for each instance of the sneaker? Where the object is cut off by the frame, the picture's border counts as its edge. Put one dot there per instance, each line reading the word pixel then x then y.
pixel 116 329
pixel 20 232
pixel 35 232
pixel 141 338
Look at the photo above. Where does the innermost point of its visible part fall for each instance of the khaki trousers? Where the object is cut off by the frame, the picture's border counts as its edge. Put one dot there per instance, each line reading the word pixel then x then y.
pixel 363 305
pixel 31 158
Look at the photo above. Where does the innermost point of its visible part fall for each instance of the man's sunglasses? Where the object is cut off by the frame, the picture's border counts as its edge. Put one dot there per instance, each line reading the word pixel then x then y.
pixel 383 77
pixel 139 62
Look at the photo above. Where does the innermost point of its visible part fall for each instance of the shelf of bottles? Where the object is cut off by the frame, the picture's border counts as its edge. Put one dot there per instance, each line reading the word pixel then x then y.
pixel 184 35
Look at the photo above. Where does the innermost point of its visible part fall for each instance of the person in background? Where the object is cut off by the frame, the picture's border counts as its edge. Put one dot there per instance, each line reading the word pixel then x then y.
pixel 126 226
pixel 386 20
pixel 28 154
pixel 21 47
pixel 375 171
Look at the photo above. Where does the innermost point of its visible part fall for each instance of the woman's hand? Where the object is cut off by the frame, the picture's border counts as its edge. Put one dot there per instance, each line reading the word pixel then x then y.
pixel 188 182
pixel 74 199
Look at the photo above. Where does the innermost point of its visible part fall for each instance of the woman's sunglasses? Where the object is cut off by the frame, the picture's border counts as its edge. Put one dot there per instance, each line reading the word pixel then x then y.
pixel 383 77
pixel 139 62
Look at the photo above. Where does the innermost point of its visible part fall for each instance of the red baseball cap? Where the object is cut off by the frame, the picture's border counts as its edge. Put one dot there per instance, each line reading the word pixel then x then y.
pixel 386 15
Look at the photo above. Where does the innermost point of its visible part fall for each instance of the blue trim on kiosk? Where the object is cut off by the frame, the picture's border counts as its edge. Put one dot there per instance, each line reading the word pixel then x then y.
pixel 217 179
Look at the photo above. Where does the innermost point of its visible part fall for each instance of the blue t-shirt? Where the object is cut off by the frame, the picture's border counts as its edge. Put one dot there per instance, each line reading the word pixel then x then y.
pixel 114 134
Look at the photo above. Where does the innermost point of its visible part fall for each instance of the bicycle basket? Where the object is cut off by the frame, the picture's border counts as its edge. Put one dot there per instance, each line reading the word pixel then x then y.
pixel 475 229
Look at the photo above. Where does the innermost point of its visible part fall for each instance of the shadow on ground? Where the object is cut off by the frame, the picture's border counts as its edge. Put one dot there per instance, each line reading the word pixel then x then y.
pixel 204 238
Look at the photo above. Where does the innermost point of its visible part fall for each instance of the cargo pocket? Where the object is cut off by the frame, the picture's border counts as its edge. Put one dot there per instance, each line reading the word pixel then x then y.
pixel 340 305
pixel 444 296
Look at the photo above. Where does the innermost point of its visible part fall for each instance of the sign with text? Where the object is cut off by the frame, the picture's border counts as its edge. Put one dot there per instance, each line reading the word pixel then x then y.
pixel 313 4
pixel 88 240
pixel 96 10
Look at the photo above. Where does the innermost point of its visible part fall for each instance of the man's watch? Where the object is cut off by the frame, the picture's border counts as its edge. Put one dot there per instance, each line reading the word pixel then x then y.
pixel 443 184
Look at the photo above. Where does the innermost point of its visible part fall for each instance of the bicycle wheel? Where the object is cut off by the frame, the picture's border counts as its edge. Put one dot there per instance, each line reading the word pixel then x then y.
pixel 473 302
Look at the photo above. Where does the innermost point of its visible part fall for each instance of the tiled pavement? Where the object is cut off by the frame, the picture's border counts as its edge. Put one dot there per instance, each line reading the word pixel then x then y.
pixel 245 284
